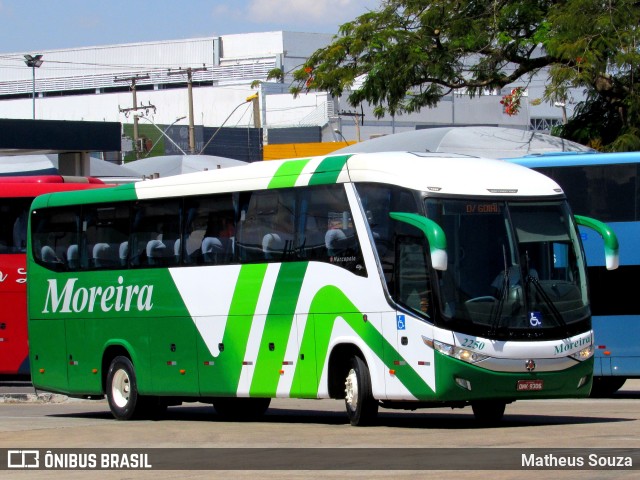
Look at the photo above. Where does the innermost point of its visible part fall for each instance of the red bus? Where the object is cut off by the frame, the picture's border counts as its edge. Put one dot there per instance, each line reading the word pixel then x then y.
pixel 16 195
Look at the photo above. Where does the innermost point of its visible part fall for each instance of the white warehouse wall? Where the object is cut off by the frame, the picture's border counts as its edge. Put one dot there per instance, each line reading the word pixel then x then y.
pixel 232 79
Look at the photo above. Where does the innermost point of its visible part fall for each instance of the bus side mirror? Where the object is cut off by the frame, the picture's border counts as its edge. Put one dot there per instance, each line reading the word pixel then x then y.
pixel 611 246
pixel 434 233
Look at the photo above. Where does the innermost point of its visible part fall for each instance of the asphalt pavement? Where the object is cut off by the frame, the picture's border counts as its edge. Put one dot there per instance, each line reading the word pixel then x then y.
pixel 12 391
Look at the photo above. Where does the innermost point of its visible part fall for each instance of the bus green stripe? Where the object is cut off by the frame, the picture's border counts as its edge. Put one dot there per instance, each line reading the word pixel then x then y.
pixel 318 333
pixel 236 333
pixel 329 170
pixel 99 195
pixel 277 329
pixel 288 173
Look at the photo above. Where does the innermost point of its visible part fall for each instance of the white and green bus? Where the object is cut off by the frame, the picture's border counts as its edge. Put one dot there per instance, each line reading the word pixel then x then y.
pixel 400 280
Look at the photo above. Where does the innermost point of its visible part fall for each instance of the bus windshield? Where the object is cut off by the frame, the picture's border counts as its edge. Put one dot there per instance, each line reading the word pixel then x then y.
pixel 515 270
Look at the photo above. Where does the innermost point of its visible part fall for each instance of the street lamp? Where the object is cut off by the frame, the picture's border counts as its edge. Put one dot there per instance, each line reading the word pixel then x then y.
pixel 33 61
pixel 250 98
pixel 164 133
pixel 336 130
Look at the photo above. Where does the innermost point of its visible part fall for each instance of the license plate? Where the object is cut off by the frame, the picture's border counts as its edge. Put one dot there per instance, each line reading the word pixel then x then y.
pixel 529 385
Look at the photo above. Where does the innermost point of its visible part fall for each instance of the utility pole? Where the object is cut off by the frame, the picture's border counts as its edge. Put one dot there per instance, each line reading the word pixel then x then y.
pixel 126 111
pixel 189 71
pixel 255 100
pixel 356 119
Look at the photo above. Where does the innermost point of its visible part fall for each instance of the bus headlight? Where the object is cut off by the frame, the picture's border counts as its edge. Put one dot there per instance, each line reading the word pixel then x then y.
pixel 463 354
pixel 585 354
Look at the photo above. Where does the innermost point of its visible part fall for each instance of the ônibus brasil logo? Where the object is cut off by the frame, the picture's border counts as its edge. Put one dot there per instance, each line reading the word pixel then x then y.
pixel 120 298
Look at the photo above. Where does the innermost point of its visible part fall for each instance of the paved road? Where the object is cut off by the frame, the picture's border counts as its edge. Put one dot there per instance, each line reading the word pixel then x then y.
pixel 582 424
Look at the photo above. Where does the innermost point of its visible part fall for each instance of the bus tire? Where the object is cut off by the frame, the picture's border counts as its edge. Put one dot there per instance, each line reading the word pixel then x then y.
pixel 488 412
pixel 606 386
pixel 241 408
pixel 362 408
pixel 122 389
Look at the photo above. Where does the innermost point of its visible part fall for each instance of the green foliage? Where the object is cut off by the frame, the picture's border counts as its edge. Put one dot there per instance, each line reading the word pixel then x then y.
pixel 275 74
pixel 410 53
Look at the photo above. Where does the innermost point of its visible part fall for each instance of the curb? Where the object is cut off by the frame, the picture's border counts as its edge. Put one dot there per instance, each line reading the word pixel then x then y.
pixel 32 398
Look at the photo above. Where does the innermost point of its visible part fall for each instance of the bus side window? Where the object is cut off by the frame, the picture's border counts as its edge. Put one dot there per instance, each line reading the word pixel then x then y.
pixel 105 229
pixel 209 235
pixel 155 230
pixel 53 233
pixel 327 230
pixel 13 224
pixel 266 230
pixel 20 232
pixel 312 227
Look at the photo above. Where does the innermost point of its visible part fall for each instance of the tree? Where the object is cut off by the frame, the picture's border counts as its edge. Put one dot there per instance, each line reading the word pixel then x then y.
pixel 408 54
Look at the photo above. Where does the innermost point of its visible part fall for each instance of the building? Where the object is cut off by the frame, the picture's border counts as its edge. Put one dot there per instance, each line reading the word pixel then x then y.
pixel 146 87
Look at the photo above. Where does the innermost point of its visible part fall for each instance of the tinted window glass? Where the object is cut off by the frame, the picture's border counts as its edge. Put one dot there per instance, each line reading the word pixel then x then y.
pixel 326 232
pixel 54 234
pixel 155 230
pixel 284 225
pixel 13 224
pixel 105 241
pixel 267 229
pixel 209 236
pixel 605 192
pixel 378 200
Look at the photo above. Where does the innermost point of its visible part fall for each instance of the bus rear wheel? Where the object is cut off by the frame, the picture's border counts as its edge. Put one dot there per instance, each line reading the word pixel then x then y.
pixel 122 389
pixel 362 408
pixel 488 412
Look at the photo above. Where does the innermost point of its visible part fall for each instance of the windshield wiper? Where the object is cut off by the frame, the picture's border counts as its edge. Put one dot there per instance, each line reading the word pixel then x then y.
pixel 554 310
pixel 497 318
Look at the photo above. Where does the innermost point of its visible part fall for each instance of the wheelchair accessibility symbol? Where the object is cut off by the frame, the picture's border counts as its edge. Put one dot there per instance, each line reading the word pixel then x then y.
pixel 535 319
pixel 400 322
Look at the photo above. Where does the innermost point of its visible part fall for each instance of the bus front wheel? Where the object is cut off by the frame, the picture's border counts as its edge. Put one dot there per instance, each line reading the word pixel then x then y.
pixel 122 390
pixel 362 408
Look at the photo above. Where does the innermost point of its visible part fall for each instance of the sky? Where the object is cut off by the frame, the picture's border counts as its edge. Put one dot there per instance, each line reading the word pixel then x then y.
pixel 29 26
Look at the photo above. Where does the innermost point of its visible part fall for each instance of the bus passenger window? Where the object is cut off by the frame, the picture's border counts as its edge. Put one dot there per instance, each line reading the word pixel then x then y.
pixel 326 230
pixel 53 234
pixel 267 229
pixel 209 236
pixel 105 230
pixel 155 230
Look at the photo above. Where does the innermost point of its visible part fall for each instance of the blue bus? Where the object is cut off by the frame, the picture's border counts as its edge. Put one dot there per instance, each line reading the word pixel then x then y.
pixel 605 186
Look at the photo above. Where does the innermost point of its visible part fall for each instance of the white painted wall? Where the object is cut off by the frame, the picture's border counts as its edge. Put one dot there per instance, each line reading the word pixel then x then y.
pixel 212 105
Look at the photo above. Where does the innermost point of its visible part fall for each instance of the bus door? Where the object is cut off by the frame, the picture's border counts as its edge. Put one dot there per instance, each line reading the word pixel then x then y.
pixel 413 293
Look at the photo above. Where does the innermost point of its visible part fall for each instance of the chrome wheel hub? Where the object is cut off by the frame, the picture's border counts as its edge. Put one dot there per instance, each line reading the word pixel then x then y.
pixel 351 390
